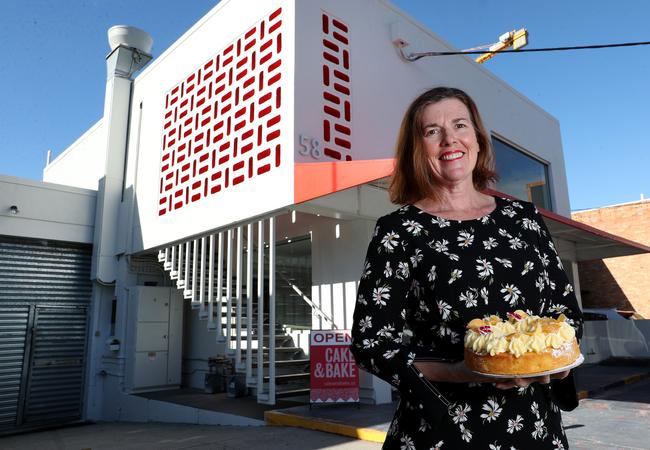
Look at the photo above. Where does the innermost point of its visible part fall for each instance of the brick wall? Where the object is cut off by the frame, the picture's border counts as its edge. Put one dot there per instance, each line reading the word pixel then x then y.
pixel 623 282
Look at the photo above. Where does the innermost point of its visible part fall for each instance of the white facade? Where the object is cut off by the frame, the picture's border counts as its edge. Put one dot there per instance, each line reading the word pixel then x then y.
pixel 297 105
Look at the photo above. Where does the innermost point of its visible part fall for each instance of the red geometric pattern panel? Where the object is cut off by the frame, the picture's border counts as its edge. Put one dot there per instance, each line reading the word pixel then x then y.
pixel 337 126
pixel 221 125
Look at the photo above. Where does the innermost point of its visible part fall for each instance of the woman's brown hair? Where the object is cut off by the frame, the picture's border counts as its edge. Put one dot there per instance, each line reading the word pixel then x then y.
pixel 412 179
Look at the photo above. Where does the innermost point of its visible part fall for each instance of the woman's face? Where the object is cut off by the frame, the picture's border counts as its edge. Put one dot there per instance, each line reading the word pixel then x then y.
pixel 450 141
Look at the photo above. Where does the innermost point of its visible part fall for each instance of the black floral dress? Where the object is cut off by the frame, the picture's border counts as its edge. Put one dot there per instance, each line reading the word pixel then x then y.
pixel 425 278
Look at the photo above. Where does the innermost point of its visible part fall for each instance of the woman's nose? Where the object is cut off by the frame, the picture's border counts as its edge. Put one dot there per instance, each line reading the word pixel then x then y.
pixel 447 136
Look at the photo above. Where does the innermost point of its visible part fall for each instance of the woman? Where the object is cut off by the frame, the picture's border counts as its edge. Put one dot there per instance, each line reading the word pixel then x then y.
pixel 452 254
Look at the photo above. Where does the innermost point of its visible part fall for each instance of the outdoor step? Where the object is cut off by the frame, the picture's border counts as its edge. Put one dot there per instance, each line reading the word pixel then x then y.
pixel 290 377
pixel 292 392
pixel 285 363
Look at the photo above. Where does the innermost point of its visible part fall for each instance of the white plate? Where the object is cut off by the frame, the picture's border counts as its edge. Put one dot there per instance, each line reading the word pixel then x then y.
pixel 575 363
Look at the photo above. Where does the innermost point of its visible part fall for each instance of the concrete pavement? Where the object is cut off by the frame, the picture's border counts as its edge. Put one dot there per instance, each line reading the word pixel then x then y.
pixel 615 416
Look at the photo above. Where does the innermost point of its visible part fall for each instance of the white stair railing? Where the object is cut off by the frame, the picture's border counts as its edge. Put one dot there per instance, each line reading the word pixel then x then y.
pixel 192 264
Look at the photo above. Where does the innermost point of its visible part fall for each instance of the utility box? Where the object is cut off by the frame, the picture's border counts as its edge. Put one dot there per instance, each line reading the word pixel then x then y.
pixel 154 339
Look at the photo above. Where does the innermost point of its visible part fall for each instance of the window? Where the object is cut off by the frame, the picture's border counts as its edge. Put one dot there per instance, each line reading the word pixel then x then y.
pixel 521 175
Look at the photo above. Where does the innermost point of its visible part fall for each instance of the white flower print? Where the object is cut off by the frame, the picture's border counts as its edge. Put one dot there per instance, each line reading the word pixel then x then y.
pixel 386 331
pixel 567 290
pixel 361 299
pixel 416 258
pixel 484 268
pixel 413 227
pixel 515 243
pixel 518 205
pixel 423 306
pixel 558 443
pixel 528 266
pixel 460 413
pixel 389 241
pixel 366 270
pixel 495 446
pixel 442 223
pixel 440 246
pixel 388 271
pixel 438 446
pixel 534 408
pixel 556 308
pixel 380 295
pixel 539 283
pixel 365 324
pixel 540 429
pixel 508 211
pixel 390 353
pixel 444 308
pixel 466 435
pixel 407 443
pixel 484 294
pixel 544 259
pixel 431 275
pixel 503 233
pixel 410 358
pixel 454 337
pixel 402 271
pixel 515 424
pixel 424 426
pixel 452 256
pixel 469 298
pixel 529 224
pixel 465 239
pixel 370 343
pixel 455 274
pixel 492 410
pixel 505 262
pixel 559 263
pixel 490 243
pixel 512 293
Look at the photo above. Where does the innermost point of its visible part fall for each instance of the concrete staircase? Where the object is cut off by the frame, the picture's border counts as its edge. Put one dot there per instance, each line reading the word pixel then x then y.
pixel 232 309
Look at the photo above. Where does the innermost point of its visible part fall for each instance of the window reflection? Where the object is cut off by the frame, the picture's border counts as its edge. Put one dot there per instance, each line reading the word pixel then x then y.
pixel 521 175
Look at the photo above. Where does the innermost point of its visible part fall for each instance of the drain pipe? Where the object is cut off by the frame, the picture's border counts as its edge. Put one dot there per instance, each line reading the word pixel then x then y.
pixel 130 52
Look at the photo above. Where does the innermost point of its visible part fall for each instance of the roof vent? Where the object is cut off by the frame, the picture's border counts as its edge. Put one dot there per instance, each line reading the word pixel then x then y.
pixel 127 36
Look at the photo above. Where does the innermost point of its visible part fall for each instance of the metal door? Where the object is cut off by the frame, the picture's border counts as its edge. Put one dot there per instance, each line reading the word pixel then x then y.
pixel 14 320
pixel 54 389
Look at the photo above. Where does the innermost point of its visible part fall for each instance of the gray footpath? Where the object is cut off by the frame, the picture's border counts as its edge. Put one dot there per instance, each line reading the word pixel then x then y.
pixel 615 418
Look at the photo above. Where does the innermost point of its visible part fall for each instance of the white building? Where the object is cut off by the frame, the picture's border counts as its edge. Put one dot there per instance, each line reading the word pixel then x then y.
pixel 257 147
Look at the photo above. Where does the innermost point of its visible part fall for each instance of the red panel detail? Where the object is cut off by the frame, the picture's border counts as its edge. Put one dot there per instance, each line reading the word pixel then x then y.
pixel 313 180
pixel 222 128
pixel 337 127
pixel 340 25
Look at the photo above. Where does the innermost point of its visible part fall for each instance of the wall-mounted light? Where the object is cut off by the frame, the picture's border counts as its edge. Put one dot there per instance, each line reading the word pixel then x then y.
pixel 13 209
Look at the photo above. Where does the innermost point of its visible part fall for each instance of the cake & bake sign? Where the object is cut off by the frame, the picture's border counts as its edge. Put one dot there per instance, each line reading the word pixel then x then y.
pixel 334 376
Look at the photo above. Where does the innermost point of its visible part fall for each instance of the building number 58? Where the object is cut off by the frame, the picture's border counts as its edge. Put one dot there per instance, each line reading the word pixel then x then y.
pixel 310 147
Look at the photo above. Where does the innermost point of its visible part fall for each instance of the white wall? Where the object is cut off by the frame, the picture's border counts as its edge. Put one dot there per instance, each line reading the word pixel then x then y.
pixel 199 344
pixel 82 163
pixel 382 85
pixel 187 57
pixel 46 210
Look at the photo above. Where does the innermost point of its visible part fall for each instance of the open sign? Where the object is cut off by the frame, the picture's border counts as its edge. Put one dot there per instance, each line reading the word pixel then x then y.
pixel 334 376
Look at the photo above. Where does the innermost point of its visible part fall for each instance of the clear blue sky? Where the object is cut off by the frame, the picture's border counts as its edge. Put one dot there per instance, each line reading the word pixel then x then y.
pixel 52 75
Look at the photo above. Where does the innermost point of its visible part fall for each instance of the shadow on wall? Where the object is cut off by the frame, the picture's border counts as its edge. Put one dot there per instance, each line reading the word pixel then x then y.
pixel 599 288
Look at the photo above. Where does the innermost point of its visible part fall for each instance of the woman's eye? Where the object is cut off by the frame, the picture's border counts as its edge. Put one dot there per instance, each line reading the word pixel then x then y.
pixel 461 125
pixel 431 132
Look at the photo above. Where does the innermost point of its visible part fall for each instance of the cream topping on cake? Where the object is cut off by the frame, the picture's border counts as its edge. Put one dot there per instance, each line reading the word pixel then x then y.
pixel 519 334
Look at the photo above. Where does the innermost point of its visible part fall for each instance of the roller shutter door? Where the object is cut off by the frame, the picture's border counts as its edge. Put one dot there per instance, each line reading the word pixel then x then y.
pixel 45 291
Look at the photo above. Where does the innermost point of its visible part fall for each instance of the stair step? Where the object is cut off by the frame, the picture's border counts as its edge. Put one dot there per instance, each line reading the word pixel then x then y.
pixel 292 392
pixel 288 377
pixel 285 363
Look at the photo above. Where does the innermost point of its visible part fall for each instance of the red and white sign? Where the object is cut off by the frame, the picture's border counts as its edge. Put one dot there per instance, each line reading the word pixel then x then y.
pixel 334 374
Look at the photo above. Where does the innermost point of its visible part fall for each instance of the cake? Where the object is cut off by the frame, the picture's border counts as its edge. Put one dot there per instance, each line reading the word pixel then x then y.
pixel 520 345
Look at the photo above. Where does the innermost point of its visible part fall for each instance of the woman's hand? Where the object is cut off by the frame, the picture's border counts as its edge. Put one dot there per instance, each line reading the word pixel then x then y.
pixel 460 373
pixel 525 382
